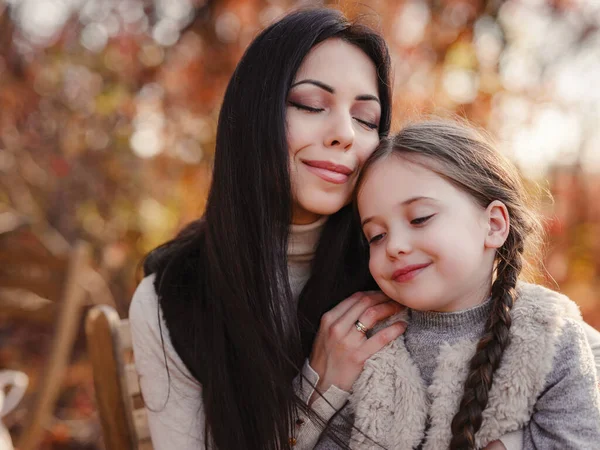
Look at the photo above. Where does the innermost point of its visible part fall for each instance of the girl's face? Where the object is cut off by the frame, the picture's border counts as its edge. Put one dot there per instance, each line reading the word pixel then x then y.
pixel 333 112
pixel 428 240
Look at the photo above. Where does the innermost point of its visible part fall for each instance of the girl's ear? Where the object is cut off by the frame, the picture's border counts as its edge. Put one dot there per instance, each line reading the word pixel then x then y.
pixel 498 224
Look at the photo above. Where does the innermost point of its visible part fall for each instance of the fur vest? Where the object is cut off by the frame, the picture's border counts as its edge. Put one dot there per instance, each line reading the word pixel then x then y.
pixel 391 404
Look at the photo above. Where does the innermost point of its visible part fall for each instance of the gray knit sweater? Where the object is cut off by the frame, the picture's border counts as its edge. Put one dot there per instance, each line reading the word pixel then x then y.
pixel 564 417
pixel 563 410
pixel 427 331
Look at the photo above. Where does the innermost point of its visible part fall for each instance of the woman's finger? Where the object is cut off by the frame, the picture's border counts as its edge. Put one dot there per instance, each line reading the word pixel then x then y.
pixel 371 317
pixel 346 322
pixel 380 312
pixel 379 340
pixel 334 314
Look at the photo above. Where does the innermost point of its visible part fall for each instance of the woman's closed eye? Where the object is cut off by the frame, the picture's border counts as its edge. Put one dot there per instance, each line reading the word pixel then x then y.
pixel 303 107
pixel 311 109
pixel 421 220
pixel 369 125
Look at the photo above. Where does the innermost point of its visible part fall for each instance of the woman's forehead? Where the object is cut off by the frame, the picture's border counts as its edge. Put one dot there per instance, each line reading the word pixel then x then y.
pixel 336 62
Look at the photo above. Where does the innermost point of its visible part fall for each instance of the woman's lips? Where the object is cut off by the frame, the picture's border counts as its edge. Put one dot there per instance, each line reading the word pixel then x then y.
pixel 408 273
pixel 334 173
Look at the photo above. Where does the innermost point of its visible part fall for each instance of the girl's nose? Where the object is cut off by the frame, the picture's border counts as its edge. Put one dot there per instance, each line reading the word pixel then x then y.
pixel 398 244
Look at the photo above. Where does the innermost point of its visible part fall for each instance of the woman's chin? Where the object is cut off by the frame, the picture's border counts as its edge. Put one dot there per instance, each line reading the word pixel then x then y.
pixel 326 210
pixel 325 204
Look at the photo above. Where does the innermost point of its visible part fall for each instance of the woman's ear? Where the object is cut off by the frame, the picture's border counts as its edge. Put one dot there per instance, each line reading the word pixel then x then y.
pixel 498 224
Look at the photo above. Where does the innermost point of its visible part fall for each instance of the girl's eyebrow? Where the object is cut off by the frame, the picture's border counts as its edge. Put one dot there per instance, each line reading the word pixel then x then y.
pixel 331 90
pixel 404 203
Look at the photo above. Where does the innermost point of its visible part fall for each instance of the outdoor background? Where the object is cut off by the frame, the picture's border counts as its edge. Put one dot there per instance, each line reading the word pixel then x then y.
pixel 108 112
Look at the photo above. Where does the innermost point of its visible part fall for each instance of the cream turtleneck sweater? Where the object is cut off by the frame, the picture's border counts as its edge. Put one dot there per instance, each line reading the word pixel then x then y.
pixel 302 245
pixel 174 398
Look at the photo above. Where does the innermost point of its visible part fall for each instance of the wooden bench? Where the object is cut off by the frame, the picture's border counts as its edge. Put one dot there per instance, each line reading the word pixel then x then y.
pixel 120 405
pixel 43 280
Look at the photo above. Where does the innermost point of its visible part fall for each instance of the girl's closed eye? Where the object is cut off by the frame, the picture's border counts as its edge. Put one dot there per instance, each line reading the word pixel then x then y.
pixel 421 220
pixel 376 238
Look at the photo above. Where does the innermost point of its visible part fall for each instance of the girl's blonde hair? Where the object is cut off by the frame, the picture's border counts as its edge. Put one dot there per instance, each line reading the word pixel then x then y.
pixel 469 161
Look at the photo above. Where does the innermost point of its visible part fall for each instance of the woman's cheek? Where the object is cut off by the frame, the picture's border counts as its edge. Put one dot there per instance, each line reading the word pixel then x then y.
pixel 297 130
pixel 367 148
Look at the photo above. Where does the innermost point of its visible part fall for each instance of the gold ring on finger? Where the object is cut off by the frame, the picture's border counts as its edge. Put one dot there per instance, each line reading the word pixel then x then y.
pixel 361 327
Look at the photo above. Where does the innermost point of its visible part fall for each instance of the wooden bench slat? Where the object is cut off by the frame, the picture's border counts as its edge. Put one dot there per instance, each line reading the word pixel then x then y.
pixel 116 380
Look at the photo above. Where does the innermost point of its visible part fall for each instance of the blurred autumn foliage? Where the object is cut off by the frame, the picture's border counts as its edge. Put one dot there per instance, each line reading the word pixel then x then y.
pixel 108 115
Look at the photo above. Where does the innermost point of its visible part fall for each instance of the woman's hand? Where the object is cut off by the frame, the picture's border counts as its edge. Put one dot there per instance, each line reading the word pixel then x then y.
pixel 340 349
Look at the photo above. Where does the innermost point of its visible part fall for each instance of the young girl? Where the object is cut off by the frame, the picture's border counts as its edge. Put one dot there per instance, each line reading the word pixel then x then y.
pixel 484 354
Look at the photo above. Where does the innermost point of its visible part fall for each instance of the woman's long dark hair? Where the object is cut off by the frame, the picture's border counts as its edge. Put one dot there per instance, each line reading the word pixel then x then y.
pixel 470 162
pixel 223 281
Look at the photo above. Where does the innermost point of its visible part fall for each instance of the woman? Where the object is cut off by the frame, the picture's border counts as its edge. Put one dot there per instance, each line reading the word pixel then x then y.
pixel 229 312
pixel 230 309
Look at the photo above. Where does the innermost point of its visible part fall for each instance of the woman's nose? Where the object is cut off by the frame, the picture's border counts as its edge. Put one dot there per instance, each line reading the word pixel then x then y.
pixel 341 132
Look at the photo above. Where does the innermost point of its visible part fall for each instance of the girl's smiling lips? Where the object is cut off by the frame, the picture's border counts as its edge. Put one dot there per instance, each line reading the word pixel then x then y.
pixel 407 273
pixel 328 171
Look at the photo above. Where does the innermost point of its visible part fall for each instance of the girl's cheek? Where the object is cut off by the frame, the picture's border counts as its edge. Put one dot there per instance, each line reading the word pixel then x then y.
pixel 372 266
pixel 375 264
pixel 432 232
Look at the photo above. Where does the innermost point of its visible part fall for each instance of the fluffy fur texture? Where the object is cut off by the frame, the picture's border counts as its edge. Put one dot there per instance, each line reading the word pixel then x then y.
pixel 391 403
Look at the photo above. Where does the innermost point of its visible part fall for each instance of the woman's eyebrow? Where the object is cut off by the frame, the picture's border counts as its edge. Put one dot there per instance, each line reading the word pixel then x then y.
pixel 367 97
pixel 331 90
pixel 319 84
